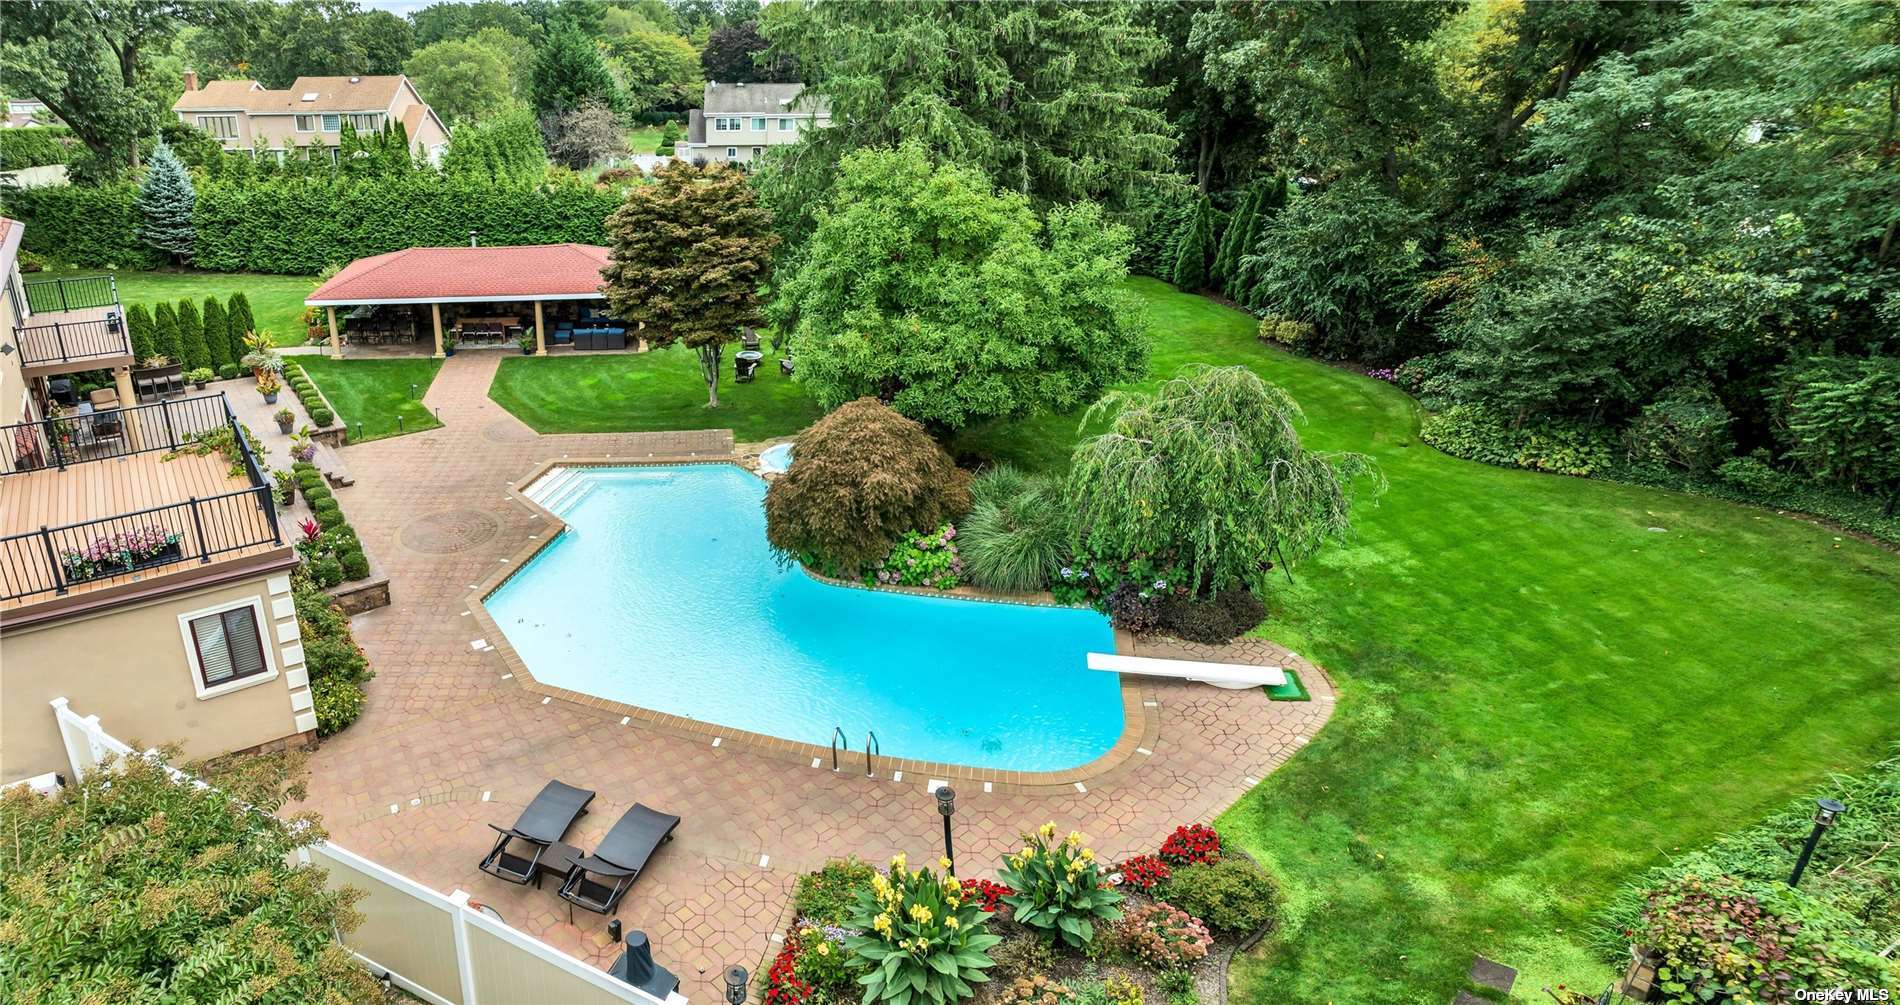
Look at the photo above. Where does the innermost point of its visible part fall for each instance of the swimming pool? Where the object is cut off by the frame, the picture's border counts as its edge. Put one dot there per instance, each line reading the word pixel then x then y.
pixel 663 594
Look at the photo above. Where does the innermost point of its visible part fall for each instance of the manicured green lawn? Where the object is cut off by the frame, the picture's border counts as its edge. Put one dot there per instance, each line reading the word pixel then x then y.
pixel 1541 694
pixel 643 139
pixel 374 393
pixel 649 391
pixel 276 301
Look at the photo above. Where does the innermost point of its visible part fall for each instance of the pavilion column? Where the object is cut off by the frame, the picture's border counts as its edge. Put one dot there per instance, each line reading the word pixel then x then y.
pixel 435 314
pixel 336 343
pixel 122 380
pixel 540 332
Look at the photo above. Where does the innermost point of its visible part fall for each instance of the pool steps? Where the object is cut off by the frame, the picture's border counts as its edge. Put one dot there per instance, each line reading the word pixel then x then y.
pixel 560 491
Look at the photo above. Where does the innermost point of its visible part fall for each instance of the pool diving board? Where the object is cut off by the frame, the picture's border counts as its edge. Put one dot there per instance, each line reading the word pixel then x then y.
pixel 1233 676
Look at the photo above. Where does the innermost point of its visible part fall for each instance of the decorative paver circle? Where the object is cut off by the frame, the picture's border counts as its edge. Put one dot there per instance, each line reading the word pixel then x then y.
pixel 506 430
pixel 448 532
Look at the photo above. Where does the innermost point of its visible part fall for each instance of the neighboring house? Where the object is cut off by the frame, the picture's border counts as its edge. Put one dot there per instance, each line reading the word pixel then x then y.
pixel 27 112
pixel 738 121
pixel 149 587
pixel 246 115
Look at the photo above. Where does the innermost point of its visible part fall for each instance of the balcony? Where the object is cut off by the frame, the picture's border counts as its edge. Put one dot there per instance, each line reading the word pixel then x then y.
pixel 72 325
pixel 107 504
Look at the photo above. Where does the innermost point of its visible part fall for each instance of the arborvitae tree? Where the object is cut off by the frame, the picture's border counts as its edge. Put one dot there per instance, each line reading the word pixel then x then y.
pixel 165 333
pixel 239 322
pixel 217 341
pixel 191 336
pixel 689 253
pixel 1194 248
pixel 1241 276
pixel 138 325
pixel 164 205
pixel 1232 239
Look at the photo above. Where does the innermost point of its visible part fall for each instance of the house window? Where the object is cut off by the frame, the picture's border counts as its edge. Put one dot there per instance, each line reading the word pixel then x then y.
pixel 306 123
pixel 331 122
pixel 758 152
pixel 785 124
pixel 732 153
pixel 364 122
pixel 759 124
pixel 226 647
pixel 224 127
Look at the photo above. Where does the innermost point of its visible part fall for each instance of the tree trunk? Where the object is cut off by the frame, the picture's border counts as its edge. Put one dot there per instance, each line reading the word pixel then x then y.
pixel 1893 499
pixel 709 368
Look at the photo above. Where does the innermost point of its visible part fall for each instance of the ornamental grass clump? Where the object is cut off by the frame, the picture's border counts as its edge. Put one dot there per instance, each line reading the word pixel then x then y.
pixel 919 938
pixel 1017 532
pixel 1059 888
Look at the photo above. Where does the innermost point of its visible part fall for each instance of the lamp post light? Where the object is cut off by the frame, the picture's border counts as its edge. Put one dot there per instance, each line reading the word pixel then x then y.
pixel 736 978
pixel 947 806
pixel 1826 810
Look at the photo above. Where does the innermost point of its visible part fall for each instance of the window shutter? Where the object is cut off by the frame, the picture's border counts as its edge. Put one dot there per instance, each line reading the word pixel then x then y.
pixel 214 657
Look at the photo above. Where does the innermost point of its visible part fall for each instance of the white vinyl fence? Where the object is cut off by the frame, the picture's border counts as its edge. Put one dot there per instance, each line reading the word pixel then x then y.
pixel 435 947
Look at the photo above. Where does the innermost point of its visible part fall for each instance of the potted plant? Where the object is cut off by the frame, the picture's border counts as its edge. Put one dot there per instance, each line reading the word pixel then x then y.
pixel 268 386
pixel 286 482
pixel 199 377
pixel 526 342
pixel 450 339
pixel 284 417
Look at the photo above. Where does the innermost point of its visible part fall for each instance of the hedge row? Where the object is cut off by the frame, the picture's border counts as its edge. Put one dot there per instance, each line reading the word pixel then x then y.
pixel 306 392
pixel 35 146
pixel 338 555
pixel 300 226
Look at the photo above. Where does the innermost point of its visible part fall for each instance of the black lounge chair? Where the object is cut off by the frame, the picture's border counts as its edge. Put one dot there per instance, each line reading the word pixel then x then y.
pixel 618 859
pixel 545 820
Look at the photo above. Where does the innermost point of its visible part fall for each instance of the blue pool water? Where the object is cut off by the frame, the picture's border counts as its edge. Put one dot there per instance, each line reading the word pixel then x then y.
pixel 663 594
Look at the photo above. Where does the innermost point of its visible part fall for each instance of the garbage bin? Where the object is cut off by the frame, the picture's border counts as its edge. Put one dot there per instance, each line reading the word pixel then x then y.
pixel 744 364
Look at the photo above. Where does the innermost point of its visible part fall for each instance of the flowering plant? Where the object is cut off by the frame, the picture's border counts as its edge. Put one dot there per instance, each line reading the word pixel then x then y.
pixel 1059 887
pixel 302 447
pixel 1144 872
pixel 926 558
pixel 115 553
pixel 1191 844
pixel 988 895
pixel 1164 936
pixel 919 939
pixel 312 537
pixel 1386 374
pixel 782 986
pixel 822 965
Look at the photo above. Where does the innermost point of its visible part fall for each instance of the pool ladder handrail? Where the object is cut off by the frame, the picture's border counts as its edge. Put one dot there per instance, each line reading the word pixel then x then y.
pixel 837 737
pixel 871 749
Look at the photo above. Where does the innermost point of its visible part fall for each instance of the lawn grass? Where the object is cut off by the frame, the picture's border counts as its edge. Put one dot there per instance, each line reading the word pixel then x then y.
pixel 1540 694
pixel 276 301
pixel 372 394
pixel 643 139
pixel 657 390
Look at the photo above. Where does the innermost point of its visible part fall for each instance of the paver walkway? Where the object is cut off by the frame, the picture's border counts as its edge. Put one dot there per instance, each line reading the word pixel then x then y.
pixel 447 744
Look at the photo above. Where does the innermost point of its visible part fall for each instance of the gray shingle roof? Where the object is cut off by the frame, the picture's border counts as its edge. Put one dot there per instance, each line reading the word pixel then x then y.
pixel 755 99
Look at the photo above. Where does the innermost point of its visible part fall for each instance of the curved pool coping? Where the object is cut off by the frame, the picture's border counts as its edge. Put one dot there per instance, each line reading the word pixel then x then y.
pixel 1141 720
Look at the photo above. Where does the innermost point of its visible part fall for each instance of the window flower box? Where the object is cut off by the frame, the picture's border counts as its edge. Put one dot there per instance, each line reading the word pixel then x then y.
pixel 117 554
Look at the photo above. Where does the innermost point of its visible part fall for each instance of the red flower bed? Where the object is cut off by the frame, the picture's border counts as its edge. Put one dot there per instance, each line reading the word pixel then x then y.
pixel 1191 844
pixel 988 893
pixel 1143 872
pixel 782 986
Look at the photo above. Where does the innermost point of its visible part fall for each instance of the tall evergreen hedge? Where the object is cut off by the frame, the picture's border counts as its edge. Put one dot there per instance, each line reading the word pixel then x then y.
pixel 217 341
pixel 191 337
pixel 165 333
pixel 138 326
pixel 299 226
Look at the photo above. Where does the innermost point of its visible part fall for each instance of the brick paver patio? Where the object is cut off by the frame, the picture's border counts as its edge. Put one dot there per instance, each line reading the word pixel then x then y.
pixel 448 744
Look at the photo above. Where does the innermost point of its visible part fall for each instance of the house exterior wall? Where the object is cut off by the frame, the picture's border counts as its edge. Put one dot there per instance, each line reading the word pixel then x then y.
pixel 129 666
pixel 14 399
pixel 779 129
pixel 278 130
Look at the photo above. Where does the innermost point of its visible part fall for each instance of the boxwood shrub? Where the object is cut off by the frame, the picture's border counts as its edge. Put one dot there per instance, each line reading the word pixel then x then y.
pixel 1233 896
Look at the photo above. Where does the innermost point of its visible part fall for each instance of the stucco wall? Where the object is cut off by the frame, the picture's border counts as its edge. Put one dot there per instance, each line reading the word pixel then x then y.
pixel 129 666
pixel 13 407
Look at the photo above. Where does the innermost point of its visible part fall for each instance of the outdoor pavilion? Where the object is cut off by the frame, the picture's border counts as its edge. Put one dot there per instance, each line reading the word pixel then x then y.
pixel 557 279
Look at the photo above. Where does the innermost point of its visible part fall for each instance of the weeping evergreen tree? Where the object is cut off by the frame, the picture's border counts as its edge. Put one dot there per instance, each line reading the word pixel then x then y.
pixel 165 333
pixel 1210 469
pixel 138 327
pixel 164 205
pixel 1194 248
pixel 191 337
pixel 217 344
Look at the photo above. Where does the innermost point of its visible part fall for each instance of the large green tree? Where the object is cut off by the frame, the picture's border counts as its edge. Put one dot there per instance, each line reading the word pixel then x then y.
pixel 925 287
pixel 1046 98
pixel 1842 420
pixel 464 80
pixel 736 53
pixel 132 886
pixel 658 69
pixel 441 22
pixel 689 251
pixel 569 71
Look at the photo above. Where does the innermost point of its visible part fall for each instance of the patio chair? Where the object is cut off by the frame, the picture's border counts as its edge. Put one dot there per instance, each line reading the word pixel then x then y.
pixel 542 823
pixel 618 859
pixel 104 398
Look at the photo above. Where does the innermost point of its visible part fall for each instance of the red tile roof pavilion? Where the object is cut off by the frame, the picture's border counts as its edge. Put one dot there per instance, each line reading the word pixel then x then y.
pixel 467 275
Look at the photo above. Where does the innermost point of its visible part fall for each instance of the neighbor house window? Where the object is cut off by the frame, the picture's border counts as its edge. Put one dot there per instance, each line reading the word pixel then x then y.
pixel 224 127
pixel 759 124
pixel 758 151
pixel 307 123
pixel 226 646
pixel 331 122
pixel 785 124
pixel 732 152
pixel 366 122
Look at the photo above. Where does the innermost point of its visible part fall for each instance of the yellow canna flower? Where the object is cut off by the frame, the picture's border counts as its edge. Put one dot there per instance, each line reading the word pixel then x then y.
pixel 1029 850
pixel 1088 854
pixel 897 862
pixel 882 924
pixel 824 949
pixel 943 861
pixel 952 922
pixel 1049 829
pixel 1015 861
pixel 1074 840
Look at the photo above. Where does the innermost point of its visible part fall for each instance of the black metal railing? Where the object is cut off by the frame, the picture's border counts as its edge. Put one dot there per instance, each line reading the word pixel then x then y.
pixel 44 295
pixel 72 341
pixel 55 559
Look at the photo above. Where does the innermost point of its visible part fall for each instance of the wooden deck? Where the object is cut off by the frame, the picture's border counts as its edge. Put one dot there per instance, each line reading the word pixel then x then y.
pixel 105 490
